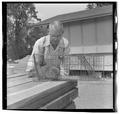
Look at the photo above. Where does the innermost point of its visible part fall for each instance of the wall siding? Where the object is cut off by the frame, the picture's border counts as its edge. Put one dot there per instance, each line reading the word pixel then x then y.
pixel 94 36
pixel 104 31
pixel 89 33
pixel 91 36
pixel 75 34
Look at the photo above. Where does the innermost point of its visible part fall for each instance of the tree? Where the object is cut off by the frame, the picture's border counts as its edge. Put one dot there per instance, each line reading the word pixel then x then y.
pixel 18 17
pixel 94 5
pixel 35 33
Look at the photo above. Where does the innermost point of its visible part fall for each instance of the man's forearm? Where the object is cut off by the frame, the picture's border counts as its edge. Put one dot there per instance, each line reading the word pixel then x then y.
pixel 38 71
pixel 37 66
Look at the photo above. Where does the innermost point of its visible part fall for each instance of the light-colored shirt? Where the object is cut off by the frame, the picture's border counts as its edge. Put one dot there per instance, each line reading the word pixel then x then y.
pixel 44 48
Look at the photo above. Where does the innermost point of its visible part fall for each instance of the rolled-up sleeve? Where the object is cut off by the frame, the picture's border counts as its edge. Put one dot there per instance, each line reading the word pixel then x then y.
pixel 38 52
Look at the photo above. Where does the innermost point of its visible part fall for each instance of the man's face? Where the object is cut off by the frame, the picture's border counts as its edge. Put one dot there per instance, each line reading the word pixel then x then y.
pixel 55 38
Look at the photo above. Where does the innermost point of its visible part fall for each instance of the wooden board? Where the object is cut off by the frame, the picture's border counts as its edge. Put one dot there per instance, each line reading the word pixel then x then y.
pixel 22 87
pixel 39 95
pixel 62 101
pixel 16 75
pixel 18 81
pixel 48 98
pixel 71 106
pixel 17 78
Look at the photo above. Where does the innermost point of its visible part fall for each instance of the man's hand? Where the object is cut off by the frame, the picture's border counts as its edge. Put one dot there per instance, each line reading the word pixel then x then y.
pixel 53 72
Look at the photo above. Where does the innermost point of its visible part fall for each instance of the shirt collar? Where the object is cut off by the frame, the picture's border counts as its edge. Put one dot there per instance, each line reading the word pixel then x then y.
pixel 47 41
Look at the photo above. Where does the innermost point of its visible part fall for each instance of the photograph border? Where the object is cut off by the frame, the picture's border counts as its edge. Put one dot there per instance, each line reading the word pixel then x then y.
pixel 4 58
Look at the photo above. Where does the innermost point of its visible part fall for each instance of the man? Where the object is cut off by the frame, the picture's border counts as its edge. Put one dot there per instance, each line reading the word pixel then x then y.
pixel 49 53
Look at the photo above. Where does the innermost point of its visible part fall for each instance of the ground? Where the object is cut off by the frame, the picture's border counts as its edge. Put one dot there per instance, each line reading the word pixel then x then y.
pixel 93 93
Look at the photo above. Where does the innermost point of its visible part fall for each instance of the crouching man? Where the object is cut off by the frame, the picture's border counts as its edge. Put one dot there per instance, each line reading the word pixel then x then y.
pixel 49 53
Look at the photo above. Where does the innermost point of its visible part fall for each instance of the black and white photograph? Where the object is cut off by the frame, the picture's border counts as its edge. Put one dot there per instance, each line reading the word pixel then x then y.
pixel 59 56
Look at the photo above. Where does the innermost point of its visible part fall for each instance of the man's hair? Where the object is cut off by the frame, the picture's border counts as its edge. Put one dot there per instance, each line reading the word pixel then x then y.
pixel 56 28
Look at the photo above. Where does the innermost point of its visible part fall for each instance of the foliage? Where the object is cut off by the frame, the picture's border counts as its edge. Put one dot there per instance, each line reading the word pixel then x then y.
pixel 94 5
pixel 18 17
pixel 34 34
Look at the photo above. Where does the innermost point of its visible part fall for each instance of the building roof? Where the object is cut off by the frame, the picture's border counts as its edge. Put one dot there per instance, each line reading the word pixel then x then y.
pixel 80 15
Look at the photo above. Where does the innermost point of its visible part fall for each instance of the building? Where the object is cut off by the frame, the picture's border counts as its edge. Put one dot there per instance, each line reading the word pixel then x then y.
pixel 90 32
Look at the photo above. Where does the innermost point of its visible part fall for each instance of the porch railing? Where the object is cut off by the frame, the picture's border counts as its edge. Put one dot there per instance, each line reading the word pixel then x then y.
pixel 85 65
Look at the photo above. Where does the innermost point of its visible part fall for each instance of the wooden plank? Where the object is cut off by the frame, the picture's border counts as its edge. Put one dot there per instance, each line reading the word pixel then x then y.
pixel 62 101
pixel 16 75
pixel 71 106
pixel 40 102
pixel 16 105
pixel 22 87
pixel 18 82
pixel 14 79
pixel 37 95
pixel 50 97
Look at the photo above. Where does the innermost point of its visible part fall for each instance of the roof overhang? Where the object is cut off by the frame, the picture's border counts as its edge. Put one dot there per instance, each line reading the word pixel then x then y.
pixel 80 15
